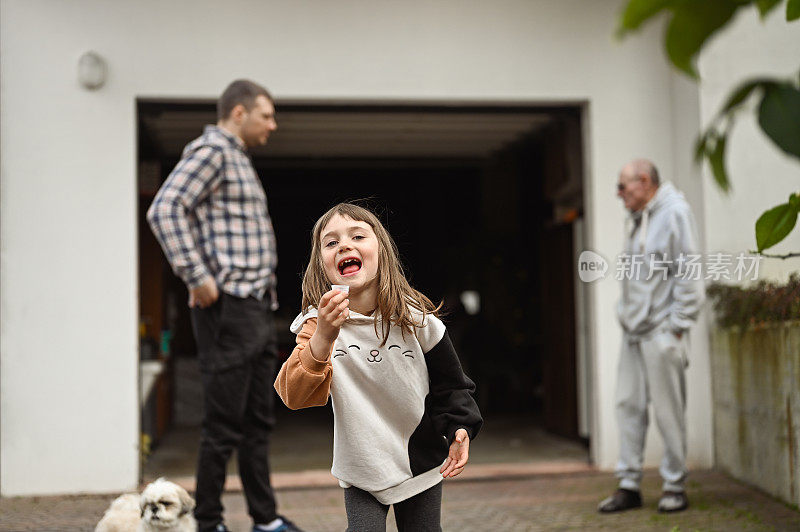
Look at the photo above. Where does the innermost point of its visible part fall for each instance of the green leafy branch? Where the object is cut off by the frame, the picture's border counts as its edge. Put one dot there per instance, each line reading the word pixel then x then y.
pixel 692 23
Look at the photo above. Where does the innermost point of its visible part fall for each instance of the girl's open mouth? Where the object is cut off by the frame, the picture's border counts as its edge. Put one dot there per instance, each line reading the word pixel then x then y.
pixel 349 266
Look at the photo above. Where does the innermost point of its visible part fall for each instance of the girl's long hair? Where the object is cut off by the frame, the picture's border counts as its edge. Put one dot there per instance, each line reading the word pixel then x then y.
pixel 396 297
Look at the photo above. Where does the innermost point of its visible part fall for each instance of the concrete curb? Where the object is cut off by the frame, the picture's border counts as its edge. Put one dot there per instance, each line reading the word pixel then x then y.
pixel 322 478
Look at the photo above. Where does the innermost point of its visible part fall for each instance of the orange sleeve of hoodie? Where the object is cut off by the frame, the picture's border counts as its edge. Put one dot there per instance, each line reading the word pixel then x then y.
pixel 303 380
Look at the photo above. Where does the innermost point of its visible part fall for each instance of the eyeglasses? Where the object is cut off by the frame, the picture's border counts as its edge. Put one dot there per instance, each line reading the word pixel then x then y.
pixel 621 186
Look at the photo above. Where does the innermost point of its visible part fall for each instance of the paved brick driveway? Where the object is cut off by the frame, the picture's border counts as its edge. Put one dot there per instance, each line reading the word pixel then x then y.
pixel 543 502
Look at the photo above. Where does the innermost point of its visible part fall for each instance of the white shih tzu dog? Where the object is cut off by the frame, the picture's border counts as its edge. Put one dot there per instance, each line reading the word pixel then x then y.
pixel 162 507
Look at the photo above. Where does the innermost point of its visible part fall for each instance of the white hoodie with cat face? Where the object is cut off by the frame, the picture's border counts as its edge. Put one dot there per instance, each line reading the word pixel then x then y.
pixel 396 406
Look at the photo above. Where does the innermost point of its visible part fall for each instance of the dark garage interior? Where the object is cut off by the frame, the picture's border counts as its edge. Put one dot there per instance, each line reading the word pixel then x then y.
pixel 482 201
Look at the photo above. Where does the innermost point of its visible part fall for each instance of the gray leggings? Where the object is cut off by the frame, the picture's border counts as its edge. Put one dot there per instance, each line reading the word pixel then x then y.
pixel 422 512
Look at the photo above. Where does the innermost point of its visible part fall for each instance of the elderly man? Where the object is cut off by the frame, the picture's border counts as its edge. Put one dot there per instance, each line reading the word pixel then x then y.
pixel 658 306
pixel 211 219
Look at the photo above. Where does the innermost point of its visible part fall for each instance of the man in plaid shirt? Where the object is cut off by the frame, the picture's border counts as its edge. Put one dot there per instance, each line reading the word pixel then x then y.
pixel 210 217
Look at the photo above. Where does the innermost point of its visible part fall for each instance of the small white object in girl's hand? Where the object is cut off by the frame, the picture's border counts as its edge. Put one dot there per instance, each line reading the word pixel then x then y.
pixel 341 288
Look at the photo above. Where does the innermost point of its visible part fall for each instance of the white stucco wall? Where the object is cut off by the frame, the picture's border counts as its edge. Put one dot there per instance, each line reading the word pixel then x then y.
pixel 762 176
pixel 68 345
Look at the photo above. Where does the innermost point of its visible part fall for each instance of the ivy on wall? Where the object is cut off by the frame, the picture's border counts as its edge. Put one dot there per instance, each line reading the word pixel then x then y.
pixel 765 302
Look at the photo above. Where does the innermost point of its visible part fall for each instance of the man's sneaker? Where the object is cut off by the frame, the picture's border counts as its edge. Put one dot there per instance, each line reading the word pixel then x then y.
pixel 286 526
pixel 219 527
pixel 673 501
pixel 621 500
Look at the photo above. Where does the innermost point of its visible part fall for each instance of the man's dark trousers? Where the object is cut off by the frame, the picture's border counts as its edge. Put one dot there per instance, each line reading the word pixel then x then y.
pixel 237 349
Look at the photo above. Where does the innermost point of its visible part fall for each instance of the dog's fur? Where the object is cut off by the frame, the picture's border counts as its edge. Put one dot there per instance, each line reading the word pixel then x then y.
pixel 162 507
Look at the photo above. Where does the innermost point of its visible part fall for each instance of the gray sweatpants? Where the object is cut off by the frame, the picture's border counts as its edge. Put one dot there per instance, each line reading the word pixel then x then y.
pixel 652 370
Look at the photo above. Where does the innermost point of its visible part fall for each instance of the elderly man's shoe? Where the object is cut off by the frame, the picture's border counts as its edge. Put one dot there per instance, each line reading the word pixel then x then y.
pixel 621 500
pixel 673 501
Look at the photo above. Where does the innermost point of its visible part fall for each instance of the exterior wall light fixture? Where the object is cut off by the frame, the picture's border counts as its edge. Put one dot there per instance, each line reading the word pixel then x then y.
pixel 92 70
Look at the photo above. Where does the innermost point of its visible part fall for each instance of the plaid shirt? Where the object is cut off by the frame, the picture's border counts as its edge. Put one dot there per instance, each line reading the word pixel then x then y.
pixel 210 217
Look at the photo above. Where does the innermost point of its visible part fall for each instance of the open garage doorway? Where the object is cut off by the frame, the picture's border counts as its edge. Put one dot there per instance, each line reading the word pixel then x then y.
pixel 485 203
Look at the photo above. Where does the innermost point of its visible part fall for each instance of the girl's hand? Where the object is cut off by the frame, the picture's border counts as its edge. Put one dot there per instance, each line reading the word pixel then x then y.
pixel 333 309
pixel 458 456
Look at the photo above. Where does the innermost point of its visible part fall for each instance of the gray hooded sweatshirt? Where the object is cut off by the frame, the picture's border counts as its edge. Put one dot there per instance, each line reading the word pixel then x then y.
pixel 660 288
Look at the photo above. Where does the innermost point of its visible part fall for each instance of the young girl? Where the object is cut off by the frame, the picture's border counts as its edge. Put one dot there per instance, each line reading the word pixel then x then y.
pixel 403 409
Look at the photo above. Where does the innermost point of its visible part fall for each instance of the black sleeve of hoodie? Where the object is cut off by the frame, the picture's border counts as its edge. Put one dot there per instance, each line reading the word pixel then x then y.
pixel 452 404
